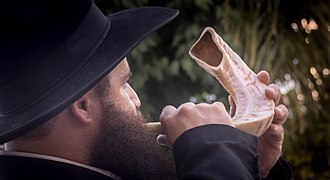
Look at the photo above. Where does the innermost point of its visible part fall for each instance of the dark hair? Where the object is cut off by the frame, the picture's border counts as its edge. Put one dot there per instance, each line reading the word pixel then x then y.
pixel 41 131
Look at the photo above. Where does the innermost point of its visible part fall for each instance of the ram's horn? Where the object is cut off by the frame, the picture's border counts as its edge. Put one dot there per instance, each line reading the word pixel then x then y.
pixel 154 127
pixel 254 111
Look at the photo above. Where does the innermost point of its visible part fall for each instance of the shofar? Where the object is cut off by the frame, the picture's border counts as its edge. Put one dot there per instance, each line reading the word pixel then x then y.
pixel 254 111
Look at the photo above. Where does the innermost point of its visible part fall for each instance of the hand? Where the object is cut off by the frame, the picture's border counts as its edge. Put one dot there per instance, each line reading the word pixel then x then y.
pixel 187 116
pixel 270 143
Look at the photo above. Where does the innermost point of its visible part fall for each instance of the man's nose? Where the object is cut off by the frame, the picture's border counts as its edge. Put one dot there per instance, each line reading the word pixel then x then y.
pixel 134 97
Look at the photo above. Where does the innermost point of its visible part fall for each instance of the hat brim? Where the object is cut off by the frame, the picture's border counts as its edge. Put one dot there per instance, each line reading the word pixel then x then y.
pixel 128 29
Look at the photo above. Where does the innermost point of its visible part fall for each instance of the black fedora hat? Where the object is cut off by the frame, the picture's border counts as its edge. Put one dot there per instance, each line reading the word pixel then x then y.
pixel 52 52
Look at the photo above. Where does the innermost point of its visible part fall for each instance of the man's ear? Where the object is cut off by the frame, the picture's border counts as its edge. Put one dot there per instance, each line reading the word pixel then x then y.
pixel 82 109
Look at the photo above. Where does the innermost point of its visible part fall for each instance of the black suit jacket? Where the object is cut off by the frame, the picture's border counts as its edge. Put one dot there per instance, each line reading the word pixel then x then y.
pixel 28 168
pixel 222 152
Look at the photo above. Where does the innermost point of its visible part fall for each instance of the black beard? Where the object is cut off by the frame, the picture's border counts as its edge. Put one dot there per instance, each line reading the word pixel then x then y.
pixel 124 147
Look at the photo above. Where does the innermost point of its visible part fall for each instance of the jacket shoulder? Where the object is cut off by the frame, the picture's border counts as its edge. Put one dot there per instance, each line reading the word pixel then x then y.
pixel 17 167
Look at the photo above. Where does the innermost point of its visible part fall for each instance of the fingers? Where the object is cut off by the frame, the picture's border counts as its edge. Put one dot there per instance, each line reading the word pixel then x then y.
pixel 188 115
pixel 263 76
pixel 273 92
pixel 281 114
pixel 275 133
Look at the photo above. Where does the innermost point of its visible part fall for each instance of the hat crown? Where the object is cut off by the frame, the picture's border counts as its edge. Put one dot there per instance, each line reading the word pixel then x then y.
pixel 28 27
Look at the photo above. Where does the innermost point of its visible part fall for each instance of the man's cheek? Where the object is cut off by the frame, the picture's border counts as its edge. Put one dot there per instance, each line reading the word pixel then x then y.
pixel 125 101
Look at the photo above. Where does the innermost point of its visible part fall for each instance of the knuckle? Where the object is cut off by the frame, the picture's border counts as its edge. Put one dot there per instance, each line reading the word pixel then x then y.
pixel 219 106
pixel 202 105
pixel 186 108
pixel 164 121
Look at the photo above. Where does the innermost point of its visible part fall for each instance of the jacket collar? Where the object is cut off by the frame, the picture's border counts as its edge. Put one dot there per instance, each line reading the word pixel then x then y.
pixel 53 158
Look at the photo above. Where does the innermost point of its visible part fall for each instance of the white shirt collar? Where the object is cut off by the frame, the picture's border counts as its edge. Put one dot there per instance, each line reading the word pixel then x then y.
pixel 52 158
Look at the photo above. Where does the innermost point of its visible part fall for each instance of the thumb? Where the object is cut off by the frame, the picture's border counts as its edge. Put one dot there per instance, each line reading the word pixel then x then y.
pixel 162 140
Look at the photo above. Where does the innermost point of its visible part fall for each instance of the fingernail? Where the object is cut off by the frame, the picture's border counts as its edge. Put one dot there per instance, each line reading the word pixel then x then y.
pixel 273 90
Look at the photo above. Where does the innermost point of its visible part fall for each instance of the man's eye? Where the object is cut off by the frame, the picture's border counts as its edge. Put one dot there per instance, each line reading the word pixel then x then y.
pixel 125 85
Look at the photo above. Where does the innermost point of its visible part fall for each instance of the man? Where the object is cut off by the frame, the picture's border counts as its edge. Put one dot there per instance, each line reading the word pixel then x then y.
pixel 68 112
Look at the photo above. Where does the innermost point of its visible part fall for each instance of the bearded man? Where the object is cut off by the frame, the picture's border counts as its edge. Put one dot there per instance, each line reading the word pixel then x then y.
pixel 68 112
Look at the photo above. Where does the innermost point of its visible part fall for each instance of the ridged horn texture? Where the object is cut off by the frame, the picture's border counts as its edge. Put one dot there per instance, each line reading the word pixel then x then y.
pixel 254 111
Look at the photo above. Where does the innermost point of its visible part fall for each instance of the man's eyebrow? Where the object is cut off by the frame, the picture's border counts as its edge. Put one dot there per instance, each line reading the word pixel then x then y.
pixel 128 76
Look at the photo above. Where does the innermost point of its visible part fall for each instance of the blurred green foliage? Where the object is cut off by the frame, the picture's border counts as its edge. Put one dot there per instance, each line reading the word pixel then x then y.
pixel 289 39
